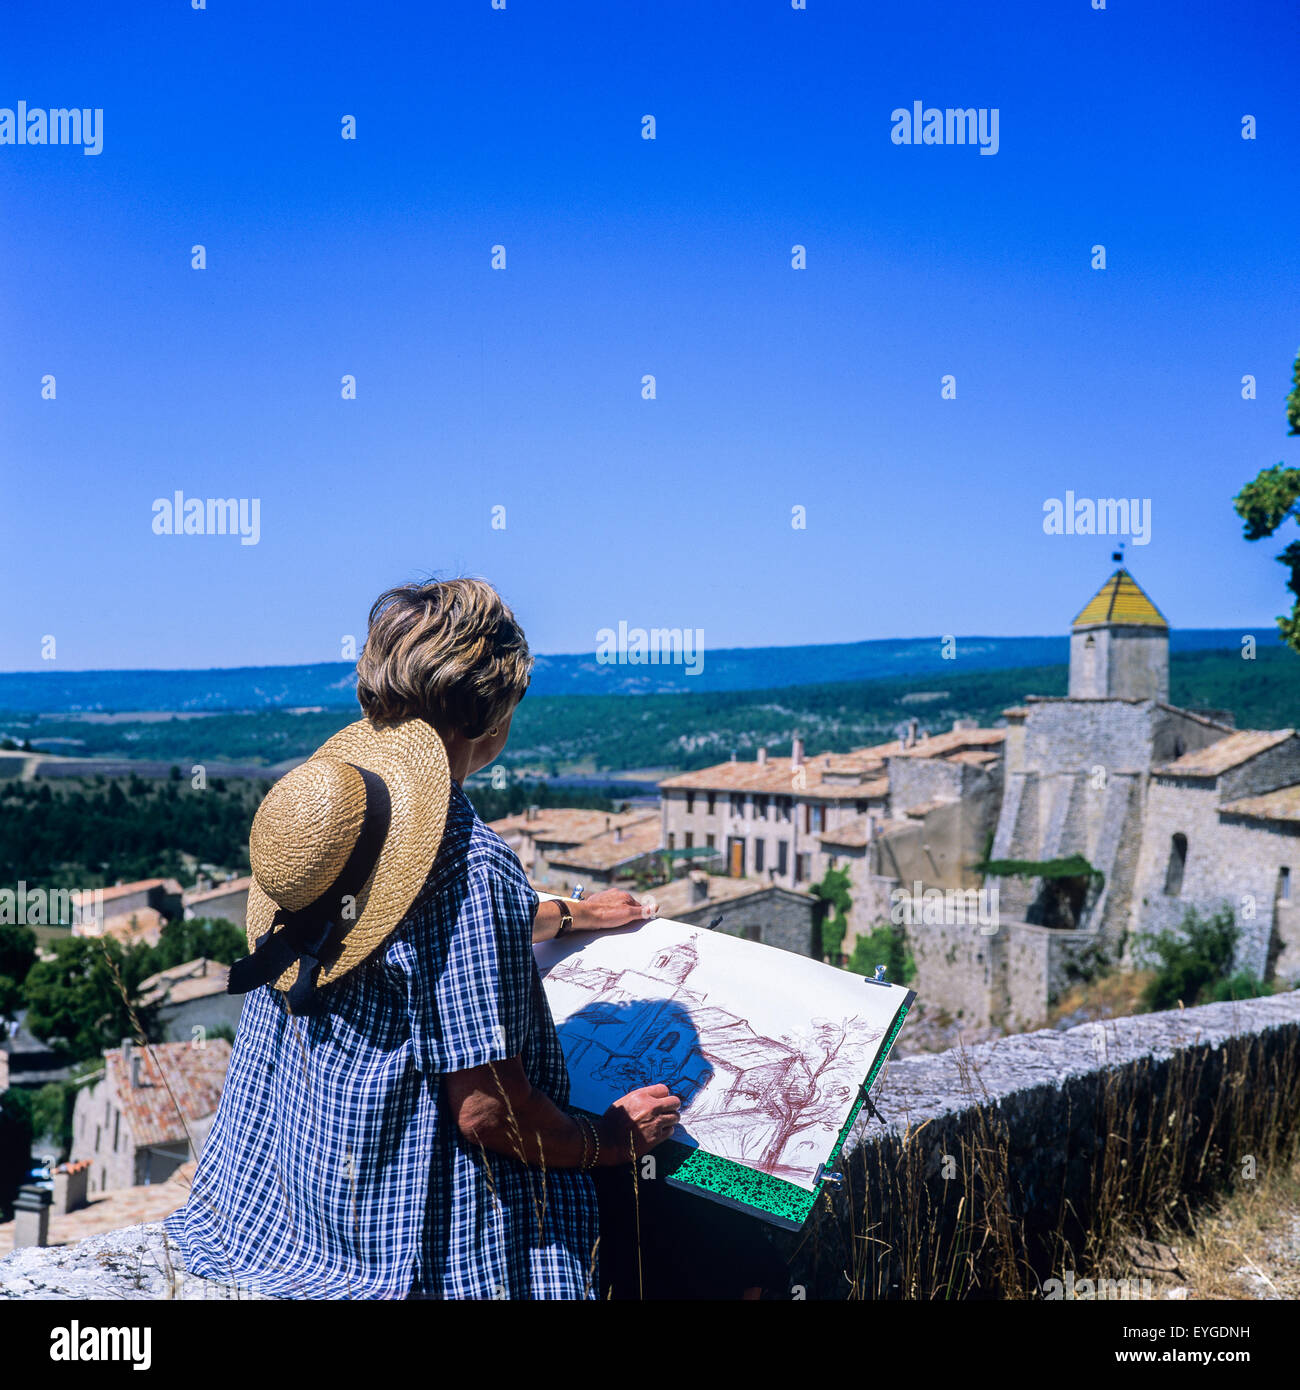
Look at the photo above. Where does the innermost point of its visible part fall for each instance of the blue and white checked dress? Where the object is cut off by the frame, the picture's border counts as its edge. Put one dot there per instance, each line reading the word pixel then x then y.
pixel 334 1168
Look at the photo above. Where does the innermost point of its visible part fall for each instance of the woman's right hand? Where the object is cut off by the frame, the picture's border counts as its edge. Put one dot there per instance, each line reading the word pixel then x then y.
pixel 640 1120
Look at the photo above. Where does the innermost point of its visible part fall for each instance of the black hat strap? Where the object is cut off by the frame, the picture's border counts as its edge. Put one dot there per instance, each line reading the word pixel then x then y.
pixel 313 935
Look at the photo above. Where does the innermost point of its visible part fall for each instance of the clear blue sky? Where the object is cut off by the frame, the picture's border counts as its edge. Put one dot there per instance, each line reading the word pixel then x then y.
pixel 521 388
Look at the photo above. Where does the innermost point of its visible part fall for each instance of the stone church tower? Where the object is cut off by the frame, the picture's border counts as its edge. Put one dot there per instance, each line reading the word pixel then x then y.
pixel 1078 767
pixel 1119 645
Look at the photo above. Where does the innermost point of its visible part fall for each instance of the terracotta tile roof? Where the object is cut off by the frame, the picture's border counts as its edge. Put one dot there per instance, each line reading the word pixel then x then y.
pixel 852 834
pixel 195 1076
pixel 143 924
pixel 121 889
pixel 222 890
pixel 776 775
pixel 1225 753
pixel 955 742
pixel 824 774
pixel 1120 600
pixel 1282 804
pixel 196 979
pixel 923 808
pixel 565 825
pixel 675 898
pixel 111 1210
pixel 607 851
pixel 975 757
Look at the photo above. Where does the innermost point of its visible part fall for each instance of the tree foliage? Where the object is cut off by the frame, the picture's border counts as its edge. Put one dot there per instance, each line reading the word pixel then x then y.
pixel 17 956
pixel 885 944
pixel 1267 502
pixel 15 1146
pixel 1194 964
pixel 86 836
pixel 74 1000
pixel 833 890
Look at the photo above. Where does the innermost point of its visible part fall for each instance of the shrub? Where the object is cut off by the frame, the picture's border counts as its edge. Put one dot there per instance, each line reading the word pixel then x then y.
pixel 1195 963
pixel 885 944
pixel 833 890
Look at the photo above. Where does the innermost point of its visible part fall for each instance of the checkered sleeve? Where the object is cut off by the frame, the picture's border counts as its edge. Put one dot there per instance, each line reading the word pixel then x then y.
pixel 469 991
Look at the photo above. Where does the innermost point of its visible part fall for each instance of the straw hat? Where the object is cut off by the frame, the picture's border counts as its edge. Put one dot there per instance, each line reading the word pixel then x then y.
pixel 340 848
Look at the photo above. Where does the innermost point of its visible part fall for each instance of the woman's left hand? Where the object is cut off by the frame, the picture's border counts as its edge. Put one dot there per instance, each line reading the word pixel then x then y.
pixel 612 908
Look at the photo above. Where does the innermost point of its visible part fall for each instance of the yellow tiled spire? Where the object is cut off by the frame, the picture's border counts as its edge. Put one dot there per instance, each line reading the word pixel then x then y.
pixel 1120 600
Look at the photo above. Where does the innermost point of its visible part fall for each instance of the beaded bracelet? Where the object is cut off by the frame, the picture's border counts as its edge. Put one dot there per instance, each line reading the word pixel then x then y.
pixel 595 1139
pixel 586 1125
pixel 582 1129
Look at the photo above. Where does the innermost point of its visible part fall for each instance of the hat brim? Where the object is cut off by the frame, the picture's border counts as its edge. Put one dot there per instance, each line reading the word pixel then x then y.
pixel 411 759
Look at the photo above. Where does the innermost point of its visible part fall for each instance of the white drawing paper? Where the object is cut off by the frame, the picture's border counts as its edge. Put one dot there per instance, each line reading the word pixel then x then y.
pixel 766 1049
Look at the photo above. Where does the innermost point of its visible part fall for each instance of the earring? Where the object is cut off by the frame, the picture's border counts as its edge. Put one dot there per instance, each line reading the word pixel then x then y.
pixel 492 733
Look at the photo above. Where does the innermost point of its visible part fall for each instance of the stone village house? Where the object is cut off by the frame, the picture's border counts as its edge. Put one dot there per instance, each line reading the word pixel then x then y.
pixel 149 1111
pixel 1174 809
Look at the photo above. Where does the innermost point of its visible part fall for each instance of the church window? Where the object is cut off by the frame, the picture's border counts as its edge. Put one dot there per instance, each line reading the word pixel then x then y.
pixel 1177 863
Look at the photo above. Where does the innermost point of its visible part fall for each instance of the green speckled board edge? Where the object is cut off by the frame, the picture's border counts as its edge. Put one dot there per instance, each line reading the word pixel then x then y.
pixel 745 1189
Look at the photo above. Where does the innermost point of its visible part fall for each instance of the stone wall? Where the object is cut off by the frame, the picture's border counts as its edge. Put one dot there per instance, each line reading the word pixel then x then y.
pixel 1042 1105
pixel 776 917
pixel 1025 1133
pixel 1232 862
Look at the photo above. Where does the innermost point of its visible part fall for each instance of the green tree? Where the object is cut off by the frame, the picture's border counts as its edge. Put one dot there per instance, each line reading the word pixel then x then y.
pixel 833 890
pixel 17 956
pixel 1268 501
pixel 885 944
pixel 52 1114
pixel 182 941
pixel 15 1146
pixel 74 998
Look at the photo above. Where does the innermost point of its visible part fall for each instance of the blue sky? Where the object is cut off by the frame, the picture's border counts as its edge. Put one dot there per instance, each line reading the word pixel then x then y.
pixel 522 388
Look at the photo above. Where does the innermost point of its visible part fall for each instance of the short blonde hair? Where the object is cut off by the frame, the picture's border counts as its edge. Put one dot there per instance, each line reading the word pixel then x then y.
pixel 449 652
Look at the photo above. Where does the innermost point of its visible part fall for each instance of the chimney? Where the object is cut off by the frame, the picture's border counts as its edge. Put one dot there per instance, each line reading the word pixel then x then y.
pixel 910 741
pixel 796 751
pixel 618 834
pixel 699 887
pixel 531 813
pixel 607 824
pixel 762 756
pixel 733 755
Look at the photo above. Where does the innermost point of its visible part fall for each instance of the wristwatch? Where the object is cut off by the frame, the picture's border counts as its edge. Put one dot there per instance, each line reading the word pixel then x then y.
pixel 566 918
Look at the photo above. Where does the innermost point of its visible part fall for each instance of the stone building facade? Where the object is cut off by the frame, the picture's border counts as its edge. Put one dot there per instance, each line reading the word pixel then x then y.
pixel 149 1111
pixel 1172 809
pixel 916 808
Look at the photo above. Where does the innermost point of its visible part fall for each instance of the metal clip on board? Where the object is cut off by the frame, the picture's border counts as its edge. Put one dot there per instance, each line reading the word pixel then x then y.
pixel 832 1177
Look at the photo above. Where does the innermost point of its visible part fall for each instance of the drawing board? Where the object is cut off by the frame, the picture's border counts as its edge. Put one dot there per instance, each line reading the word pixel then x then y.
pixel 770 1052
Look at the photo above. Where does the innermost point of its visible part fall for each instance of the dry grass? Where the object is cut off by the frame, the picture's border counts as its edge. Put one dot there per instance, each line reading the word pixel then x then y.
pixel 986 1203
pixel 1242 1246
pixel 1117 994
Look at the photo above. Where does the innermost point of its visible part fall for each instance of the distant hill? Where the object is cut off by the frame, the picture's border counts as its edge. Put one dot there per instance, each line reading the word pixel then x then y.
pixel 588 735
pixel 329 685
